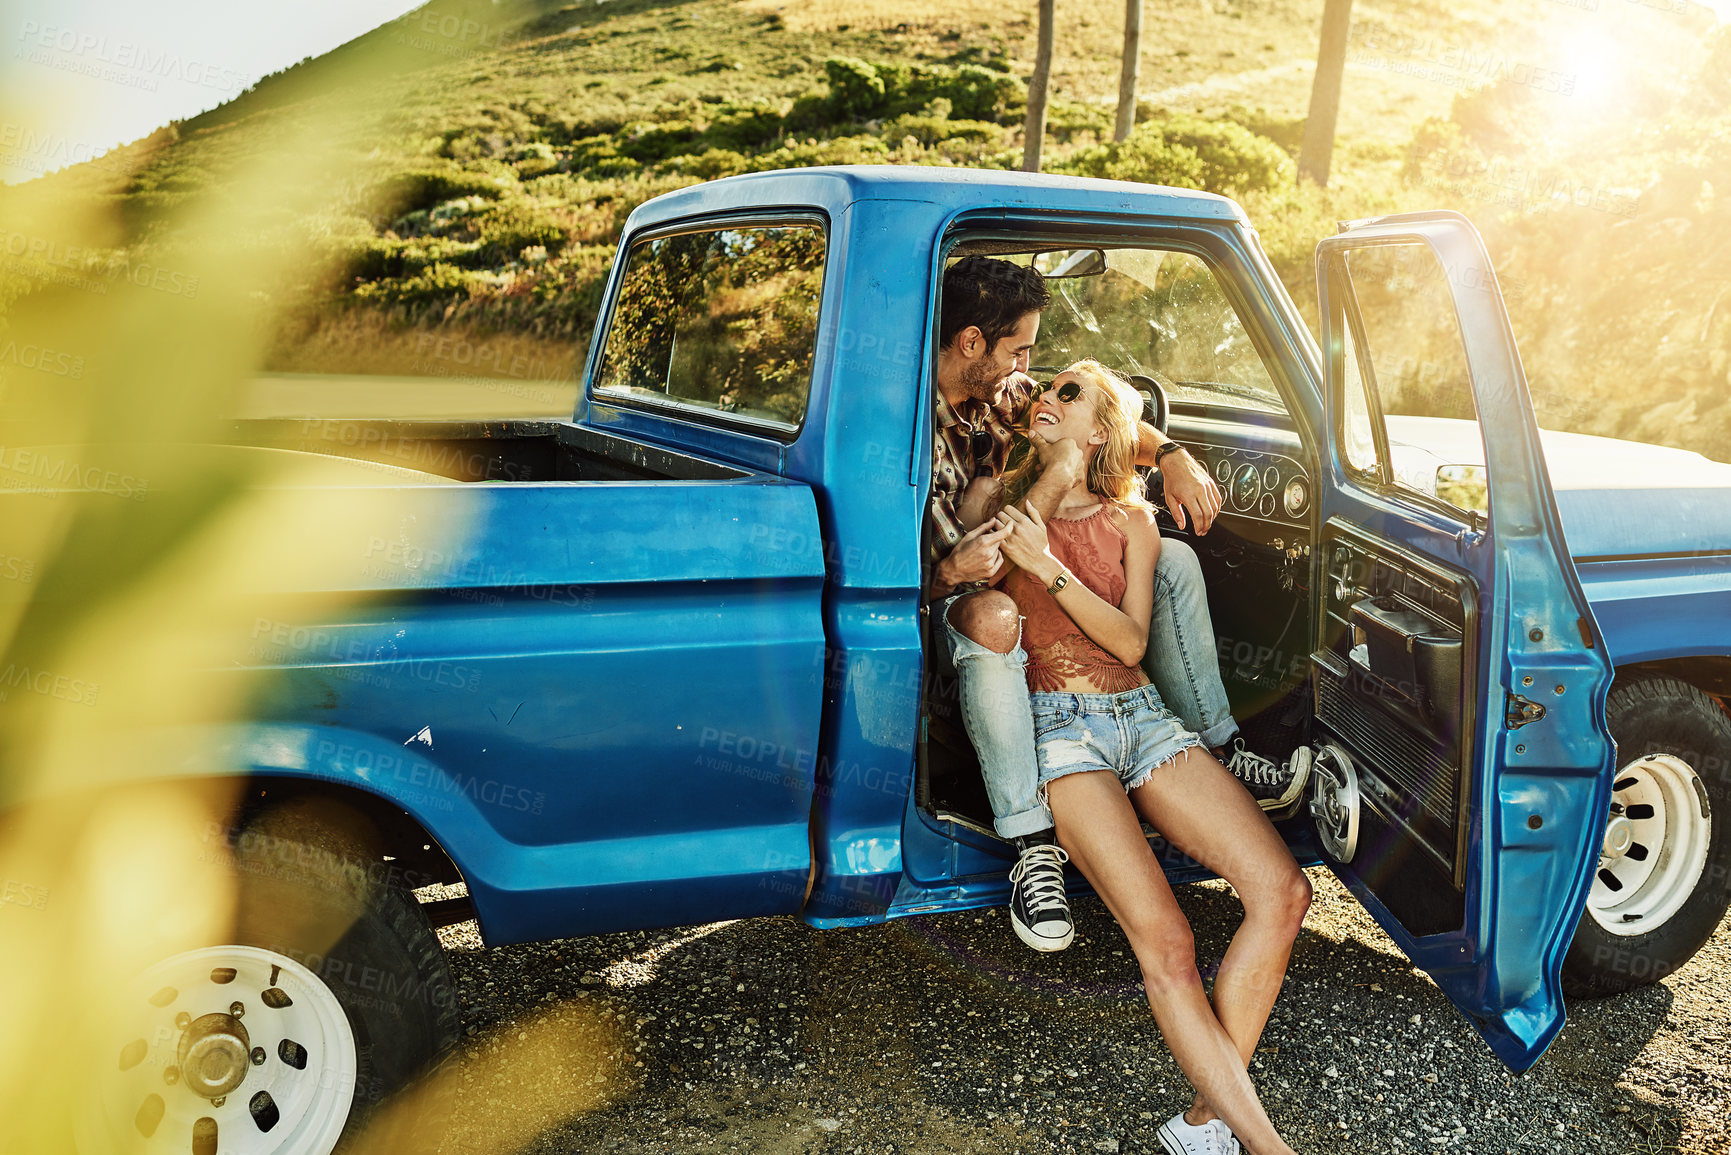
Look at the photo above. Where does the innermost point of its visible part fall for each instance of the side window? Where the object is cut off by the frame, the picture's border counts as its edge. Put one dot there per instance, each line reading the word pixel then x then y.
pixel 1358 440
pixel 719 321
pixel 1416 362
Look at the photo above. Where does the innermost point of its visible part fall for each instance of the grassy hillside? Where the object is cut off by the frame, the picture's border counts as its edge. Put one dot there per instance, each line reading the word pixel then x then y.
pixel 468 167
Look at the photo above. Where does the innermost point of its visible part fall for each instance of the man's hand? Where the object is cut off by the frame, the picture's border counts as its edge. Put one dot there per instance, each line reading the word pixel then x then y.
pixel 1192 497
pixel 977 556
pixel 1064 456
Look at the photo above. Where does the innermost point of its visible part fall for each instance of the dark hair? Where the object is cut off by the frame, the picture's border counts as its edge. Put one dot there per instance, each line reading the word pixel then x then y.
pixel 992 294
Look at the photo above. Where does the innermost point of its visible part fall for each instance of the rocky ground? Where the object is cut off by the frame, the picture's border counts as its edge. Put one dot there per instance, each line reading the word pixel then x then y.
pixel 943 1033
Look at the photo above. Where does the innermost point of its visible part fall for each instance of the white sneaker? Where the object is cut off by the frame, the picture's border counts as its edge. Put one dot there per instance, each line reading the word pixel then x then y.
pixel 1211 1138
pixel 1275 787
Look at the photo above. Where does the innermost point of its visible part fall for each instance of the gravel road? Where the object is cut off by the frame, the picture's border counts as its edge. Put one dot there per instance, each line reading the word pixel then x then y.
pixel 943 1033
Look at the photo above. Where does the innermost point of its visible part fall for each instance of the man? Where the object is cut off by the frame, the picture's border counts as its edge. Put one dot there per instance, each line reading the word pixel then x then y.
pixel 989 320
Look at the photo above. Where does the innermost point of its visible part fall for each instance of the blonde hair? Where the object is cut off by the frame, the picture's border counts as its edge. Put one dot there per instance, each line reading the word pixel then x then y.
pixel 1112 475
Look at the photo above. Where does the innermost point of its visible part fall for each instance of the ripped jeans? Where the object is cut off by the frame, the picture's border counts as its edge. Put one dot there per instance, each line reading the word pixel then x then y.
pixel 998 716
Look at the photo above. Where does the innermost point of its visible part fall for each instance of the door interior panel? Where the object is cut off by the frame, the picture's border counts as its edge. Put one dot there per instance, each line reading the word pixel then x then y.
pixel 1390 690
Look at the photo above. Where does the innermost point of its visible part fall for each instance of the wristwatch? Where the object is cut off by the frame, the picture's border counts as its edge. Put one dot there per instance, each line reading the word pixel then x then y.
pixel 1059 582
pixel 1169 447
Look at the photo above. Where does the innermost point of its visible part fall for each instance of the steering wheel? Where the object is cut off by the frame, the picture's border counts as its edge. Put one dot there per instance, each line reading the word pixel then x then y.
pixel 1156 410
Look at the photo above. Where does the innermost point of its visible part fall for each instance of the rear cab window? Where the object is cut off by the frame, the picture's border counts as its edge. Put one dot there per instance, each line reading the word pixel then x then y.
pixel 718 323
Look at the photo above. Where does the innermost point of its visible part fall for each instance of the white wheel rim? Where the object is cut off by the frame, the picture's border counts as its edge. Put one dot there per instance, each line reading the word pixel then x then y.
pixel 311 1102
pixel 1656 842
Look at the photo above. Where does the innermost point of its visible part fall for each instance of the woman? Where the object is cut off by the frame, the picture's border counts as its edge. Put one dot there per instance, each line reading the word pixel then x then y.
pixel 1111 755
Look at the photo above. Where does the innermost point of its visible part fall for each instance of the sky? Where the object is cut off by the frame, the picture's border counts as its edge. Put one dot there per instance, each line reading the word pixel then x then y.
pixel 81 76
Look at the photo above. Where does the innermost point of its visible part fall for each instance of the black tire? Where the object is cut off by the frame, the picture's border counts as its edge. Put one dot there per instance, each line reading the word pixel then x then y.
pixel 1659 715
pixel 310 887
pixel 387 969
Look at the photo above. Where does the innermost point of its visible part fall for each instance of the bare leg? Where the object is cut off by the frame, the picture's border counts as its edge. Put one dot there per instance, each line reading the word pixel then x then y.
pixel 1100 830
pixel 1204 811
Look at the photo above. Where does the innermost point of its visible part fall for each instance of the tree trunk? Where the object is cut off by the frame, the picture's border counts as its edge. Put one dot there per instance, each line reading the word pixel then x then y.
pixel 1315 155
pixel 1132 68
pixel 1034 130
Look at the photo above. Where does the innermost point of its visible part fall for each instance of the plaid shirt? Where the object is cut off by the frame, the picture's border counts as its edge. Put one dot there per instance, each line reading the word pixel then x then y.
pixel 953 465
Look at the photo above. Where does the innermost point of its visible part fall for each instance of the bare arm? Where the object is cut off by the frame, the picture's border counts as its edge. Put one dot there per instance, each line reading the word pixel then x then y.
pixel 1148 442
pixel 979 503
pixel 1061 466
pixel 1191 495
pixel 1121 631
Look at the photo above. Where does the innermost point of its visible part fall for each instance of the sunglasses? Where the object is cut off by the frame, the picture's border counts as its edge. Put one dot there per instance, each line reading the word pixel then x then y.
pixel 980 444
pixel 1067 392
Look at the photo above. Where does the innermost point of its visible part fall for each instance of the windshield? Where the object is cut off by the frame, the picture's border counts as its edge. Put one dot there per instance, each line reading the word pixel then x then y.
pixel 1162 313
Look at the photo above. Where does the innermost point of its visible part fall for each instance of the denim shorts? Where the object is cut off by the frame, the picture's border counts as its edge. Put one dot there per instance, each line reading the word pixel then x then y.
pixel 1131 734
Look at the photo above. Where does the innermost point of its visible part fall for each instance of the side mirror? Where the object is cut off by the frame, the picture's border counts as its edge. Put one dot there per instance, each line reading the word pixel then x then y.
pixel 1070 263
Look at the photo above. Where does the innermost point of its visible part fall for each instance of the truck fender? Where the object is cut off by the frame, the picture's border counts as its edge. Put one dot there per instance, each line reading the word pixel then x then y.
pixel 444 802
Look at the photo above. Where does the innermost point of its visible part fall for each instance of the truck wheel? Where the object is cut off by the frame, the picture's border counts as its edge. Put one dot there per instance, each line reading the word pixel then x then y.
pixel 332 994
pixel 1660 886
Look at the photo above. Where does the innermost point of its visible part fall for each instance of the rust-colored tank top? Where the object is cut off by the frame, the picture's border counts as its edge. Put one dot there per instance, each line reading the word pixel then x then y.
pixel 1093 549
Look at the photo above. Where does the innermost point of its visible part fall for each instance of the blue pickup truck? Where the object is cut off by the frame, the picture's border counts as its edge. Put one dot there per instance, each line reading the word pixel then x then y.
pixel 663 663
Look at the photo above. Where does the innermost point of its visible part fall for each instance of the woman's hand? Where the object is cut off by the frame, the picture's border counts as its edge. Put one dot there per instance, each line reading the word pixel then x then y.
pixel 1026 546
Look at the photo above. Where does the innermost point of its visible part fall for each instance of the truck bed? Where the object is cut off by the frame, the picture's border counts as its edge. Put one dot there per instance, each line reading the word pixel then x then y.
pixel 493 451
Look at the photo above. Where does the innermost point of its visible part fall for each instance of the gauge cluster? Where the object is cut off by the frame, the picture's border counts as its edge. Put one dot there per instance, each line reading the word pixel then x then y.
pixel 1267 486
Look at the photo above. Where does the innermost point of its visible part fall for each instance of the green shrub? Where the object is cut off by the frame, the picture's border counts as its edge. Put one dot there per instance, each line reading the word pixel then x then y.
pixel 1146 156
pixel 534 159
pixel 974 93
pixel 995 57
pixel 379 258
pixel 709 164
pixel 373 258
pixel 514 225
pixel 656 142
pixel 809 112
pixel 742 128
pixel 1286 131
pixel 1189 152
pixel 406 192
pixel 565 129
pixel 842 150
pixel 856 91
pixel 860 90
pixel 932 130
pixel 438 282
pixel 599 156
pixel 440 216
pixel 1067 119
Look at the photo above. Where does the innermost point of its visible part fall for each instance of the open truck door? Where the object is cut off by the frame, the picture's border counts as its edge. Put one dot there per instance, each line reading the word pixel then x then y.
pixel 1464 767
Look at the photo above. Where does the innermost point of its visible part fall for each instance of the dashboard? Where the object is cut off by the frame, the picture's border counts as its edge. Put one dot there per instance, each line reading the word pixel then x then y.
pixel 1260 471
pixel 1269 486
